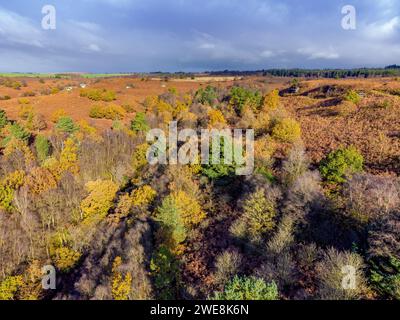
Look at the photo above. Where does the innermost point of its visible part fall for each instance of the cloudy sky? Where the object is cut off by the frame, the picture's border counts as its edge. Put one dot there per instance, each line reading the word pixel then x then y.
pixel 196 35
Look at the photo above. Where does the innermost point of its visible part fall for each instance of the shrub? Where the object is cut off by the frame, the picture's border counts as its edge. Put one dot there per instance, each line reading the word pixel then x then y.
pixel 286 130
pixel 295 165
pixel 3 119
pixel 139 123
pixel 331 275
pixel 100 198
pixel 9 287
pixel 369 198
pixel 128 108
pixel 264 149
pixel 271 101
pixel 385 276
pixel 352 96
pixel 139 159
pixel 384 256
pixel 6 197
pixel 42 146
pixel 66 125
pixel 111 112
pixel 341 163
pixel 23 101
pixel 56 115
pixel 86 130
pixel 25 111
pixel 346 108
pixel 98 94
pixel 36 122
pixel 216 118
pixel 248 288
pixel 29 94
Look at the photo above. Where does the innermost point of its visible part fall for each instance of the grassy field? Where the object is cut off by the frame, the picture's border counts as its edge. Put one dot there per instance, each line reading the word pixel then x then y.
pixel 28 75
pixel 104 75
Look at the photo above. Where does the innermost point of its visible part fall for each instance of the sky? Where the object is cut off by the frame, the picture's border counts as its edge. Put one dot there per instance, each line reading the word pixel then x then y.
pixel 107 36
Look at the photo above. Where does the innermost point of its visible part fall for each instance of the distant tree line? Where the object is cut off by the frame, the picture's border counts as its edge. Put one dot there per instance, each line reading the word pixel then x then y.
pixel 389 71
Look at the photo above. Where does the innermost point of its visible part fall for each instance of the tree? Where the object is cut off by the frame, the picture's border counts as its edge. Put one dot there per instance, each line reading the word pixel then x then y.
pixel 40 180
pixel 120 283
pixel 65 258
pixel 248 288
pixel 69 157
pixel 258 217
pixel 67 125
pixel 341 163
pixel 286 130
pixel 173 231
pixel 241 97
pixel 42 146
pixel 164 269
pixel 271 101
pixel 15 131
pixel 100 198
pixel 207 95
pixel 139 124
pixel 143 196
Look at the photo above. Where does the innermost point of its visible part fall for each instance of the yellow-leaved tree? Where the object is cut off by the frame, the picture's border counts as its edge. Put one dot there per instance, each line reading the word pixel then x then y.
pixel 100 198
pixel 120 284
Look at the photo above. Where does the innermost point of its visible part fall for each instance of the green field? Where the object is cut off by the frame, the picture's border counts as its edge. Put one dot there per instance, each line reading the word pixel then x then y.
pixel 29 75
pixel 105 75
pixel 65 76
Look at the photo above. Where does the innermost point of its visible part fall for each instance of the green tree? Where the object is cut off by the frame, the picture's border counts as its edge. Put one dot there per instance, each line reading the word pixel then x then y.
pixel 248 288
pixel 42 146
pixel 258 217
pixel 164 269
pixel 241 97
pixel 16 131
pixel 341 163
pixel 67 125
pixel 171 222
pixel 139 123
pixel 206 96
